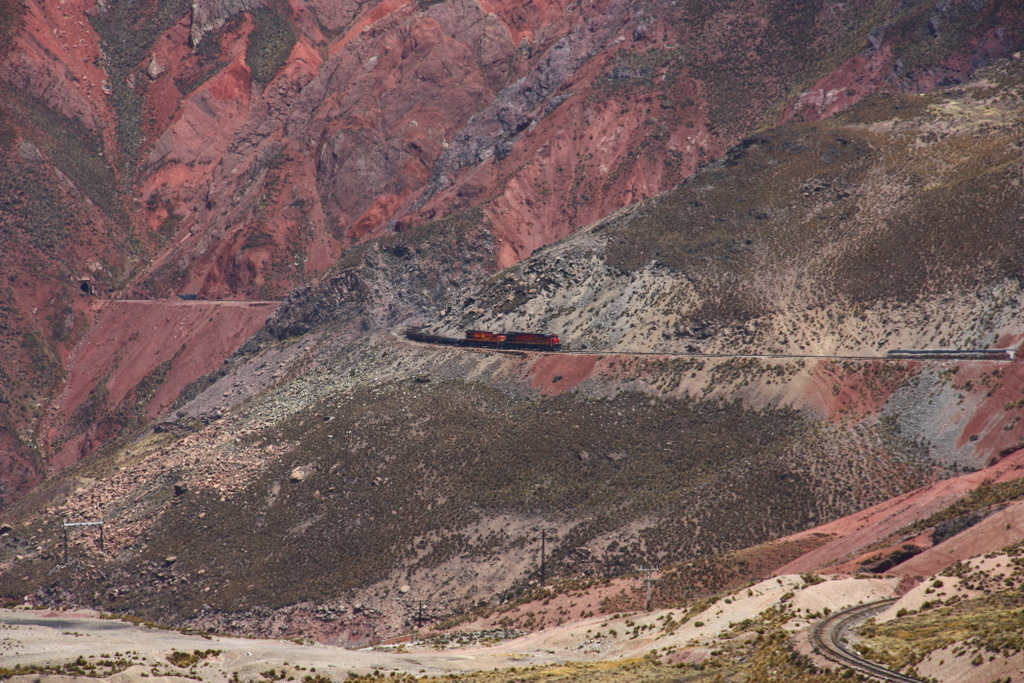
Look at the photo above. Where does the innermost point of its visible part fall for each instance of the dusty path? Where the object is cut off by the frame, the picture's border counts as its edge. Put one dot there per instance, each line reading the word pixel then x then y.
pixel 53 638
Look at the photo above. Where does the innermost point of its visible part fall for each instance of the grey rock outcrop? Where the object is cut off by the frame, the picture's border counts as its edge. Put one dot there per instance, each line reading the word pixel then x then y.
pixel 210 15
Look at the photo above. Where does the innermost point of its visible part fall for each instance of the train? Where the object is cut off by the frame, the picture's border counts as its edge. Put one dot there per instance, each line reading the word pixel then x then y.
pixel 493 340
pixel 955 354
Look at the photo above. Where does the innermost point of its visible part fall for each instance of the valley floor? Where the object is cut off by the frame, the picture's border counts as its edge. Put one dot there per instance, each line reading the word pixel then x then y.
pixel 49 640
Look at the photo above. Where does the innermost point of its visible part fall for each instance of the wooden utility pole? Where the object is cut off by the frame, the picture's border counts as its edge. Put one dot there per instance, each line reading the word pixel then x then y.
pixel 420 612
pixel 543 554
pixel 543 566
pixel 649 580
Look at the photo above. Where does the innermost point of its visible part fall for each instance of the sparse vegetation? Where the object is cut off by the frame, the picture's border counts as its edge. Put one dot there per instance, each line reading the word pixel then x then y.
pixel 270 43
pixel 11 13
pixel 128 30
pixel 494 466
pixel 89 667
pixel 979 628
pixel 77 152
pixel 185 660
pixel 411 467
pixel 727 223
pixel 803 235
pixel 974 506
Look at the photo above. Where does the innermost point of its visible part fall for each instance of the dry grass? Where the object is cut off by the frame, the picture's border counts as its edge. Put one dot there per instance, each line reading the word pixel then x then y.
pixel 757 652
pixel 850 211
pixel 979 629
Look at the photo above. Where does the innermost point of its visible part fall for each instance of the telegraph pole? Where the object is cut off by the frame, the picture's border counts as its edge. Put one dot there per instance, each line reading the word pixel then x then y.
pixel 421 615
pixel 421 612
pixel 543 554
pixel 649 580
pixel 543 569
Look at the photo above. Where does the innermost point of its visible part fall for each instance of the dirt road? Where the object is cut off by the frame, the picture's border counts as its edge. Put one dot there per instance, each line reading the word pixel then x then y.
pixel 32 637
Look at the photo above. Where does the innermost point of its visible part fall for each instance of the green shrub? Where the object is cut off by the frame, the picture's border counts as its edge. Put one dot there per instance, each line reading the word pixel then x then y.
pixel 270 44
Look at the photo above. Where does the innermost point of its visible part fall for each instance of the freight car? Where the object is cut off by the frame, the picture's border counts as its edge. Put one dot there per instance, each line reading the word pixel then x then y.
pixel 955 354
pixel 416 335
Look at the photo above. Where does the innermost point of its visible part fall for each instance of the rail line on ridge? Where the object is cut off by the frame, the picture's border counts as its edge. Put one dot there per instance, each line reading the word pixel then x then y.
pixel 924 356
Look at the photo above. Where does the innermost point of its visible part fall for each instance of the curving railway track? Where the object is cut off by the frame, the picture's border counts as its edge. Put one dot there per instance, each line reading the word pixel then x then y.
pixel 945 356
pixel 827 637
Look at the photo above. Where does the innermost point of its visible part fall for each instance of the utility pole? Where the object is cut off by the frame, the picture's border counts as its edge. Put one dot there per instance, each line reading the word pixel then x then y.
pixel 649 580
pixel 543 553
pixel 543 568
pixel 420 611
pixel 420 616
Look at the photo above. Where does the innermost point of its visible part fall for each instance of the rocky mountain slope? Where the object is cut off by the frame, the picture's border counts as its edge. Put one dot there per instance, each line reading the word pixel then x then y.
pixel 891 226
pixel 331 480
pixel 237 149
pixel 724 401
pixel 961 624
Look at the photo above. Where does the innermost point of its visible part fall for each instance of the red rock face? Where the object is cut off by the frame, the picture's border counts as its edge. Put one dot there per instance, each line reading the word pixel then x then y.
pixel 385 115
pixel 253 145
pixel 853 536
pixel 138 356
pixel 55 58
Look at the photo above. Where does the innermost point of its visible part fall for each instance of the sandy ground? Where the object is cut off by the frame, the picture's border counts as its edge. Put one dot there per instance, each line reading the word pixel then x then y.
pixel 36 637
pixel 33 637
pixel 952 665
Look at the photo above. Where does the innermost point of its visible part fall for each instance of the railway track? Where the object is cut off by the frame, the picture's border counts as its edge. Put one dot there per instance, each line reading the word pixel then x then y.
pixel 433 340
pixel 827 638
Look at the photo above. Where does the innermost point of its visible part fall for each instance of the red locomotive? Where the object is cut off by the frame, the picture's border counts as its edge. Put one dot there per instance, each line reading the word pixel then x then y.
pixel 483 338
pixel 493 340
pixel 531 340
pixel 512 340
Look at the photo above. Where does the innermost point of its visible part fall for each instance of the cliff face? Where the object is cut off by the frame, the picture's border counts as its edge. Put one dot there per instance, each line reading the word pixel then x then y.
pixel 273 137
pixel 238 149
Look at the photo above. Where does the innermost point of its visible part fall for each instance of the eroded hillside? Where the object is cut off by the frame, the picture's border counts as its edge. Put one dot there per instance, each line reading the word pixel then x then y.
pixel 335 479
pixel 238 149
pixel 893 225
